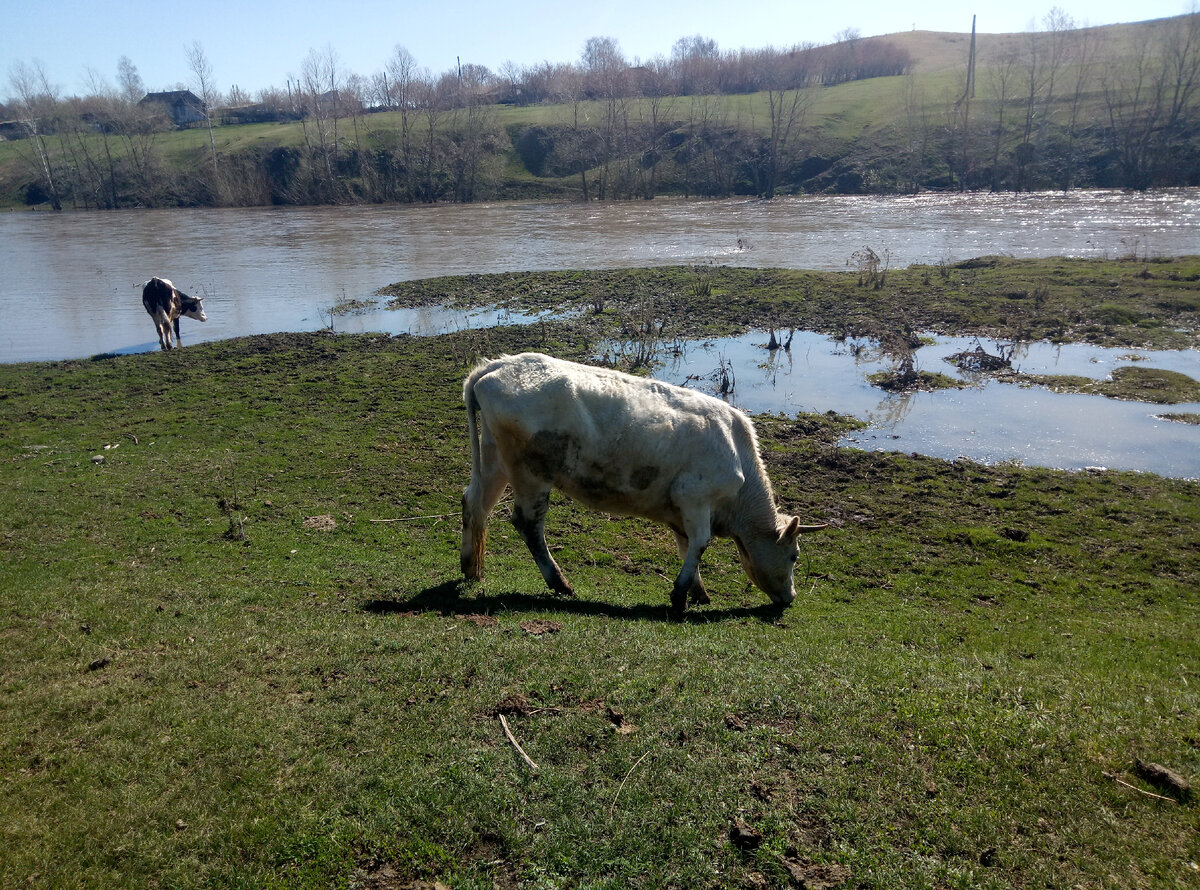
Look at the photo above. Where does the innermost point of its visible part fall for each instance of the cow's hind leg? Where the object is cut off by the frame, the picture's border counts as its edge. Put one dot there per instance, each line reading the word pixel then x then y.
pixel 529 518
pixel 487 486
pixel 697 595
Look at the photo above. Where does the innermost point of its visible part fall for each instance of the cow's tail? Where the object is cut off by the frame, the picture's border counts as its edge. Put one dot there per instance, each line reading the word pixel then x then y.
pixel 474 511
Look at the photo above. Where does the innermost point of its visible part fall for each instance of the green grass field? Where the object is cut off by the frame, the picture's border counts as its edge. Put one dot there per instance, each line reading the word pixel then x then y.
pixel 237 653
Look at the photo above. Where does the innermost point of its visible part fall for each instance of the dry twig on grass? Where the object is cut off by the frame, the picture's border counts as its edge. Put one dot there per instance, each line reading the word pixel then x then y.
pixel 616 796
pixel 516 744
pixel 1122 782
pixel 414 518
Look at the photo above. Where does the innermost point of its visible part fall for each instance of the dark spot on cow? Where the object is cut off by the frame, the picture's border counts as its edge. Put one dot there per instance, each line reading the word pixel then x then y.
pixel 643 477
pixel 549 453
pixel 596 487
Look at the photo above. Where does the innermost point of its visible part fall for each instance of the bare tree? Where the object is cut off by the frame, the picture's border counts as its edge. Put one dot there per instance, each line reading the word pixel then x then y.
pixel 657 105
pixel 917 133
pixel 786 111
pixel 696 62
pixel 35 106
pixel 139 126
pixel 405 79
pixel 318 89
pixel 1083 53
pixel 606 78
pixel 1002 75
pixel 1151 99
pixel 104 102
pixel 206 89
pixel 569 88
pixel 432 101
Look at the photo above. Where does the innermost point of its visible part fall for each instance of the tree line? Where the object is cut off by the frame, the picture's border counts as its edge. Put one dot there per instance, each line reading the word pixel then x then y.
pixel 1051 110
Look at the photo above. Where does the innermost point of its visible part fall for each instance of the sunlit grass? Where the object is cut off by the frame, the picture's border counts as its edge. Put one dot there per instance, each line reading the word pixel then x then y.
pixel 201 689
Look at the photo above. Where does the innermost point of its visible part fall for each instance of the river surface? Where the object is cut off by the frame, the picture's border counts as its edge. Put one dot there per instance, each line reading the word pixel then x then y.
pixel 70 282
pixel 70 288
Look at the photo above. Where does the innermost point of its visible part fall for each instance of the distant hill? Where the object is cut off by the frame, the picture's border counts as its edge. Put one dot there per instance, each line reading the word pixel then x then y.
pixel 1082 108
pixel 941 51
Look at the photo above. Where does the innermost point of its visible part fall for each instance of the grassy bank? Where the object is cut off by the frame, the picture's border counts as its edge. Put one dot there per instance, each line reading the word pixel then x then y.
pixel 219 671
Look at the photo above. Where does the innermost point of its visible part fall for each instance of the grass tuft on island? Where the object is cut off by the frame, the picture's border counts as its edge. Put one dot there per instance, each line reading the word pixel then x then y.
pixel 238 652
pixel 1133 384
pixel 909 380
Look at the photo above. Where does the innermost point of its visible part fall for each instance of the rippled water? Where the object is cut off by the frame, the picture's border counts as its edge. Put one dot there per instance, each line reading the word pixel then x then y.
pixel 70 282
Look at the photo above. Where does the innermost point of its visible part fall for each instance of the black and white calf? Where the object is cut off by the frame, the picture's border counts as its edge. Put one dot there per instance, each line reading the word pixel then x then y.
pixel 166 304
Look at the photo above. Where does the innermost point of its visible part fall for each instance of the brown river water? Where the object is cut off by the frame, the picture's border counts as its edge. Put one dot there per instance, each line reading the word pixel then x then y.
pixel 70 284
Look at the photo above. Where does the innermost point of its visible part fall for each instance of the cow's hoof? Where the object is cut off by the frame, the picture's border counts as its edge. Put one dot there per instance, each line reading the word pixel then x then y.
pixel 678 603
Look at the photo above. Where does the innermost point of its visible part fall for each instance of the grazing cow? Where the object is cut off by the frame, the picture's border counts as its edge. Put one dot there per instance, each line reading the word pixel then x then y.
pixel 625 445
pixel 166 303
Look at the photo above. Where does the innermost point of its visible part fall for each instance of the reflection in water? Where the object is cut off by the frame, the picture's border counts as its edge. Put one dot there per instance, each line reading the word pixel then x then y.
pixel 988 422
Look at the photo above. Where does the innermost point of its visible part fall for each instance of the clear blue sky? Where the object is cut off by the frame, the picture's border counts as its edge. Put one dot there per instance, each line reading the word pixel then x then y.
pixel 259 43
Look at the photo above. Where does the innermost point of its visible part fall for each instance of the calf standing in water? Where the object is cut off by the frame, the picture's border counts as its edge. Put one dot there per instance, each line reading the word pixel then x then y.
pixel 625 445
pixel 166 304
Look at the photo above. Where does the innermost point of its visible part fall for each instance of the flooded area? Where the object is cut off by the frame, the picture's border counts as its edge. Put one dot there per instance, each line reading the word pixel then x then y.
pixel 71 283
pixel 989 421
pixel 70 286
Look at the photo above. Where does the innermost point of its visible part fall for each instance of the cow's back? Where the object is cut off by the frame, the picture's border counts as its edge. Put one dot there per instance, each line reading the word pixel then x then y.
pixel 158 296
pixel 610 439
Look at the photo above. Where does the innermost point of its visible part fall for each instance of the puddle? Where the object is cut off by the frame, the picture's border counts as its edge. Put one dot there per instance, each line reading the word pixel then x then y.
pixel 425 321
pixel 988 421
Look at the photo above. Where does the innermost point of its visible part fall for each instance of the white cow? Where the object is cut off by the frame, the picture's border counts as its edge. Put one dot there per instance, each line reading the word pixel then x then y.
pixel 625 445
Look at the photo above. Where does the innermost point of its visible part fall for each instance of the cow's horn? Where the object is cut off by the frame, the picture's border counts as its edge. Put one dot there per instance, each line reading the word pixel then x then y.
pixel 795 529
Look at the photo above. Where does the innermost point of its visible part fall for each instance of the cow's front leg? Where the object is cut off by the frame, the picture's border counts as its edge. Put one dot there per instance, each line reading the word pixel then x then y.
pixel 178 340
pixel 697 529
pixel 529 518
pixel 697 595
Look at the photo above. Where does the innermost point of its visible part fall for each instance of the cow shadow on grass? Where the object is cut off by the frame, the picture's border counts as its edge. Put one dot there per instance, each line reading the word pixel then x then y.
pixel 461 598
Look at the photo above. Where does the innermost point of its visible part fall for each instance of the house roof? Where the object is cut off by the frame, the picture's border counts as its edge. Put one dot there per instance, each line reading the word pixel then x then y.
pixel 171 96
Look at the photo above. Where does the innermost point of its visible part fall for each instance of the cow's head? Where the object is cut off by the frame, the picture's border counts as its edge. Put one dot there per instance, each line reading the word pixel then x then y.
pixel 193 307
pixel 770 558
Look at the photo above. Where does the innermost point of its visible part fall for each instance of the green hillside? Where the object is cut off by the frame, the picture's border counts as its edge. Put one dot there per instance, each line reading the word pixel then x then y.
pixel 1116 106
